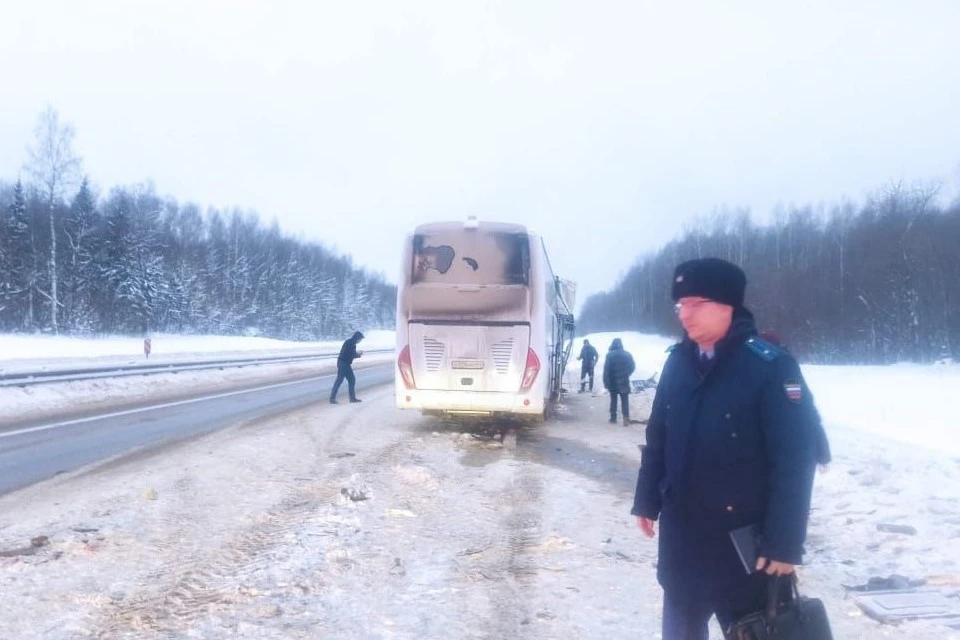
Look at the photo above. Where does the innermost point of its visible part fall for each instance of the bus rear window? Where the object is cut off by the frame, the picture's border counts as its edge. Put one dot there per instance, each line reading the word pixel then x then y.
pixel 471 257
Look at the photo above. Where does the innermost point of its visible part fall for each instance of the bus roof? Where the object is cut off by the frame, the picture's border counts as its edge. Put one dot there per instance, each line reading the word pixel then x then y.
pixel 489 227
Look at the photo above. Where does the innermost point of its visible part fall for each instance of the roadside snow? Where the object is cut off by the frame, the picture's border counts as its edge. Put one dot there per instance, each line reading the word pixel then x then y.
pixel 15 346
pixel 20 353
pixel 908 403
pixel 31 404
pixel 370 522
pixel 363 521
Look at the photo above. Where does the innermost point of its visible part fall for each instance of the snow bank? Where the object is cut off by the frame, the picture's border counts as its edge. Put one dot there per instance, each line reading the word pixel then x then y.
pixel 24 346
pixel 905 402
pixel 908 403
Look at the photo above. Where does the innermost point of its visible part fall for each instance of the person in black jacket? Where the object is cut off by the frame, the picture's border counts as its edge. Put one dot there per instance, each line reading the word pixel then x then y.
pixel 731 442
pixel 348 353
pixel 617 368
pixel 588 360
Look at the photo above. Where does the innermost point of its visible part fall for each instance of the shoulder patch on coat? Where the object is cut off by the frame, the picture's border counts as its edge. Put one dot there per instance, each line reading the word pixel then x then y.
pixel 766 350
pixel 794 390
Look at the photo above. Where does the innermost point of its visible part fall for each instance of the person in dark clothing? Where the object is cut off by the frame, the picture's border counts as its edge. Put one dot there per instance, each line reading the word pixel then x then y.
pixel 588 360
pixel 348 353
pixel 731 442
pixel 617 368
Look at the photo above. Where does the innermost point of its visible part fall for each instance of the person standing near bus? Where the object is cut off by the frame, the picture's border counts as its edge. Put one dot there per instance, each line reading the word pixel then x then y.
pixel 588 361
pixel 617 368
pixel 348 353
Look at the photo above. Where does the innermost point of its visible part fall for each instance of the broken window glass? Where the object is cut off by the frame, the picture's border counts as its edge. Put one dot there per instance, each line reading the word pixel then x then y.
pixel 493 258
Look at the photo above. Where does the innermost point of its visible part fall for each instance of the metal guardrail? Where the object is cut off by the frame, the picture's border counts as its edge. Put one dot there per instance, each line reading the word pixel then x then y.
pixel 27 378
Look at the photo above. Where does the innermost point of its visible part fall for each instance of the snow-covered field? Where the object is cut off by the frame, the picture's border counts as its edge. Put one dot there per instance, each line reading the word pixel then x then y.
pixel 24 346
pixel 907 403
pixel 31 353
pixel 455 531
pixel 26 352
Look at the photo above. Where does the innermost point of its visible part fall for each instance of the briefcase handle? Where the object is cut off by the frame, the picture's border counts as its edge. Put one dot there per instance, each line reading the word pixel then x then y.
pixel 773 593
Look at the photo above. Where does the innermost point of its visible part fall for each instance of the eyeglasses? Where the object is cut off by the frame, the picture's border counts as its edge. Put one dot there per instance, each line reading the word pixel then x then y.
pixel 692 305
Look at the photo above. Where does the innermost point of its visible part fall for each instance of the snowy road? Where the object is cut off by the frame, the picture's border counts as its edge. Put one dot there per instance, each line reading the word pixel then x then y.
pixel 362 522
pixel 35 453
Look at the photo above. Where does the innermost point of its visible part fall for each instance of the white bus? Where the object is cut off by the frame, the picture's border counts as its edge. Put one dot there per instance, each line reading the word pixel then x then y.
pixel 483 325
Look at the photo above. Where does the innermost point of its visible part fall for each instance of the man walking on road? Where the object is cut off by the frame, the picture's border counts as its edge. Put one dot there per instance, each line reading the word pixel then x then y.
pixel 348 353
pixel 588 360
pixel 617 368
pixel 731 442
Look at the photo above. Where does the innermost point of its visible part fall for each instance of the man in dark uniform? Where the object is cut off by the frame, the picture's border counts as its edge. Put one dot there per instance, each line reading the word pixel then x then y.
pixel 348 353
pixel 617 368
pixel 588 360
pixel 731 442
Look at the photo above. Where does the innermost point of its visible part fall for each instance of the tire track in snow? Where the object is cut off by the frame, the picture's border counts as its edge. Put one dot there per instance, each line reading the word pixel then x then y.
pixel 186 587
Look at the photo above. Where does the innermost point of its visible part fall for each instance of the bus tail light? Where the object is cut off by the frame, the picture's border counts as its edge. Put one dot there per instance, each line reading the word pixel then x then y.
pixel 406 368
pixel 530 371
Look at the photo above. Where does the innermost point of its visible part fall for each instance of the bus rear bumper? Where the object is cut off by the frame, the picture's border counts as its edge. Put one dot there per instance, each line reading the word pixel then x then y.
pixel 467 403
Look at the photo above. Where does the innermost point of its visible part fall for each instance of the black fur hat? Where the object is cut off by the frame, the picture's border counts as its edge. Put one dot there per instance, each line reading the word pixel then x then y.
pixel 710 278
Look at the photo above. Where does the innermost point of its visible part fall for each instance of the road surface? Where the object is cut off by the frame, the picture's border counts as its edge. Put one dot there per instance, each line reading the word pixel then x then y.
pixel 39 452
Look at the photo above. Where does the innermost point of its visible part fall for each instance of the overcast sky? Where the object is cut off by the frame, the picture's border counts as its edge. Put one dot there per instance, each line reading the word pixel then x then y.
pixel 604 125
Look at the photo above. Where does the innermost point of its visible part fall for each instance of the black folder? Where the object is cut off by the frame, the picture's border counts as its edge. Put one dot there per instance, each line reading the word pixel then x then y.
pixel 746 540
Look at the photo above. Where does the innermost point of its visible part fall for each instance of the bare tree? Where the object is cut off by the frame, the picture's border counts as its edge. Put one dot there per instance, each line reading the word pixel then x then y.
pixel 54 166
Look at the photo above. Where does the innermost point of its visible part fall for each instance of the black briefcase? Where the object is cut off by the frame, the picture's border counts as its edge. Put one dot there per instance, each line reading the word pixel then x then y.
pixel 792 618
